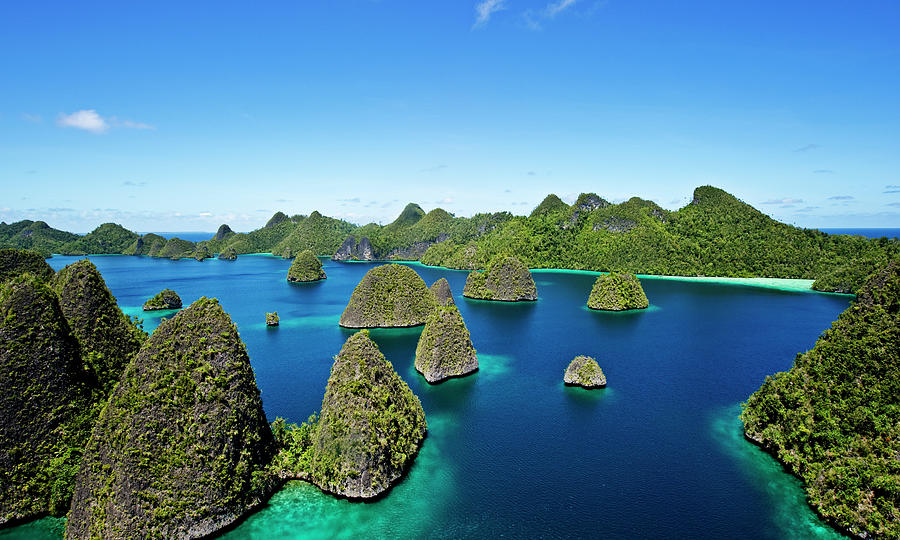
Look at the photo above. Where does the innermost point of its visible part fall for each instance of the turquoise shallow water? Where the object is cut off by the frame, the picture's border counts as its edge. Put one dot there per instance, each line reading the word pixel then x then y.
pixel 511 451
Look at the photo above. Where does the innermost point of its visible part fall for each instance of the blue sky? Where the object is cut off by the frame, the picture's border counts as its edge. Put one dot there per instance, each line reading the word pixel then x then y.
pixel 181 116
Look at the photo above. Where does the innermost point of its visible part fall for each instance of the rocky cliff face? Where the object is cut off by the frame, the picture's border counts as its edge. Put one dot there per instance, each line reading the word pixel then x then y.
pixel 351 250
pixel 224 230
pixel 442 292
pixel 306 267
pixel 181 449
pixel 415 251
pixel 107 336
pixel 445 347
pixel 392 295
pixel 506 279
pixel 584 371
pixel 45 402
pixel 371 425
pixel 617 292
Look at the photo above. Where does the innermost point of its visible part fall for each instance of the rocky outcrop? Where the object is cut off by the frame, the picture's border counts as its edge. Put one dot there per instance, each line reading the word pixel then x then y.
pixel 165 299
pixel 415 251
pixel 442 292
pixel 45 402
pixel 616 225
pixel 506 279
pixel 14 262
pixel 276 218
pixel 272 319
pixel 445 347
pixel 229 254
pixel 224 230
pixel 181 449
pixel 584 371
pixel 371 426
pixel 351 250
pixel 388 296
pixel 586 203
pixel 617 291
pixel 549 205
pixel 306 267
pixel 108 338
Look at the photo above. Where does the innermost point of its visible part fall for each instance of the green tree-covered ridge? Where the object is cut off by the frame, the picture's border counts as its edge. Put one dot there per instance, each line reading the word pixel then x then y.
pixel 834 418
pixel 617 291
pixel 306 267
pixel 505 279
pixel 391 295
pixel 714 235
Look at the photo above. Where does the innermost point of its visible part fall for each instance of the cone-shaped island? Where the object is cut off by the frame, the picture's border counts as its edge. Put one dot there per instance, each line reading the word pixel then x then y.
pixel 389 296
pixel 306 267
pixel 442 292
pixel 445 347
pixel 617 291
pixel 584 371
pixel 506 279
pixel 166 299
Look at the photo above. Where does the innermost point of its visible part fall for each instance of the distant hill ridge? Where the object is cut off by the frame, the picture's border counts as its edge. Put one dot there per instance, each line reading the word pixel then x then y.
pixel 716 234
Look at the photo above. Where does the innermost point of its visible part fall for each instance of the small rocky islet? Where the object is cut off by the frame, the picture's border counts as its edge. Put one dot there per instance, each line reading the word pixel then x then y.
pixel 305 268
pixel 506 279
pixel 585 372
pixel 442 293
pixel 445 347
pixel 617 291
pixel 389 296
pixel 165 299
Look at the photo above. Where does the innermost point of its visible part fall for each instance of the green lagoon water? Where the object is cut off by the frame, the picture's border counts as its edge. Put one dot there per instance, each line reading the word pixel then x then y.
pixel 510 450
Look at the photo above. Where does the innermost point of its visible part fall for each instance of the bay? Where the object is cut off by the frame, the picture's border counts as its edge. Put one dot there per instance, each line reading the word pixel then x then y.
pixel 510 450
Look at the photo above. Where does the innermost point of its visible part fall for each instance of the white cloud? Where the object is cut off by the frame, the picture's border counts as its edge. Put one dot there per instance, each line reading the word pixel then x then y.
pixel 783 201
pixel 484 10
pixel 86 119
pixel 90 120
pixel 33 118
pixel 554 8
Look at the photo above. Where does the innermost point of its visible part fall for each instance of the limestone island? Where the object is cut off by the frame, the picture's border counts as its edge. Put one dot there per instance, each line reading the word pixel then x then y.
pixel 584 371
pixel 166 299
pixel 229 254
pixel 305 268
pixel 181 449
pixel 389 296
pixel 506 279
pixel 617 291
pixel 442 292
pixel 370 429
pixel 272 319
pixel 445 347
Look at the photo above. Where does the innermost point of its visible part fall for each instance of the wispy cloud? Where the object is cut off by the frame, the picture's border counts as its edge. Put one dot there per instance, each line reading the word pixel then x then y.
pixel 896 204
pixel 783 201
pixel 841 198
pixel 555 8
pixel 484 10
pixel 86 119
pixel 33 118
pixel 434 169
pixel 807 147
pixel 823 171
pixel 90 120
pixel 353 200
pixel 809 209
pixel 445 200
pixel 892 191
pixel 129 183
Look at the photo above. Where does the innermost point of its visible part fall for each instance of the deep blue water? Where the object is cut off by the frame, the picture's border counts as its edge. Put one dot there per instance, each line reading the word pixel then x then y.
pixel 867 232
pixel 511 451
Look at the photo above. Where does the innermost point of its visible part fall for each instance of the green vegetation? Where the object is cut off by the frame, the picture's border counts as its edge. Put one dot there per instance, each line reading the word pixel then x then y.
pixel 34 235
pixel 442 293
pixel 306 267
pixel 505 279
pixel 445 347
pixel 549 205
pixel 834 418
pixel 228 255
pixel 584 371
pixel 46 407
pixel 617 291
pixel 371 426
pixel 182 447
pixel 165 299
pixel 15 262
pixel 107 337
pixel 272 319
pixel 317 233
pixel 391 295
pixel 107 238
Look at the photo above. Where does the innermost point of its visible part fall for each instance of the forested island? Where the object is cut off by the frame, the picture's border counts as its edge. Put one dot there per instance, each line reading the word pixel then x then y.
pixel 714 235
